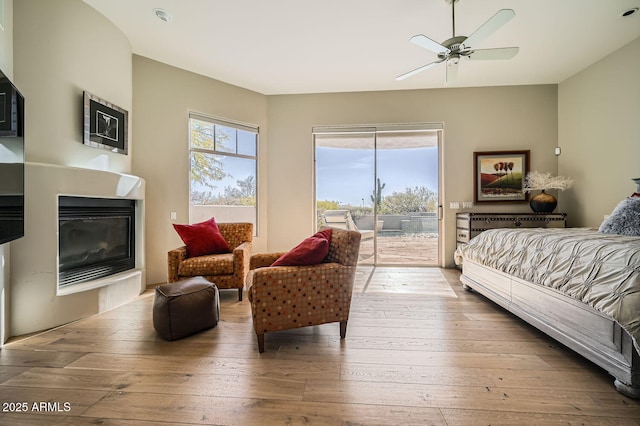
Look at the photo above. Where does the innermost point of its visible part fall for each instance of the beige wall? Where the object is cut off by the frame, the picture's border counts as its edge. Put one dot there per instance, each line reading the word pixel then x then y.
pixel 476 119
pixel 481 119
pixel 62 48
pixel 6 40
pixel 599 132
pixel 163 97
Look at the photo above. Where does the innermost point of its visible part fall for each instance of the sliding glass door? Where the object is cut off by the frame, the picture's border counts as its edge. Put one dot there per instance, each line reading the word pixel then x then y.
pixel 383 182
pixel 345 172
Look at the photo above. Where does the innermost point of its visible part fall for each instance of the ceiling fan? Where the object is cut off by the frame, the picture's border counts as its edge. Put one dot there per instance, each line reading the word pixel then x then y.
pixel 452 50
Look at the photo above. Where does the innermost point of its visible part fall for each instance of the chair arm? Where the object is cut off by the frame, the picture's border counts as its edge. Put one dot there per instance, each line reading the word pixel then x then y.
pixel 241 257
pixel 262 260
pixel 175 256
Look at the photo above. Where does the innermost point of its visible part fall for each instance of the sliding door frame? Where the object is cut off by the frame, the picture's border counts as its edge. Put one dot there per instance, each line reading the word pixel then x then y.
pixel 376 130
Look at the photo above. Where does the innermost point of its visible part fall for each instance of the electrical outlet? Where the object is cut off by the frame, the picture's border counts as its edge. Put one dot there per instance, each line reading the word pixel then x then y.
pixel 454 205
pixel 173 215
pixel 467 204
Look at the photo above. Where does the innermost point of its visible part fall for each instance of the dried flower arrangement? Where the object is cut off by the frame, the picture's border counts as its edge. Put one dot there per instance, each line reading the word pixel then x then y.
pixel 543 181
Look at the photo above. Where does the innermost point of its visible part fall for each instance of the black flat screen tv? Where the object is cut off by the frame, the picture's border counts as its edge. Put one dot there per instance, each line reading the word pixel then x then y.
pixel 11 161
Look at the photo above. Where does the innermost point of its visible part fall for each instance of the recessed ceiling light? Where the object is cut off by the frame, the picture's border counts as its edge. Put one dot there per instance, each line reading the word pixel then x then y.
pixel 629 12
pixel 163 14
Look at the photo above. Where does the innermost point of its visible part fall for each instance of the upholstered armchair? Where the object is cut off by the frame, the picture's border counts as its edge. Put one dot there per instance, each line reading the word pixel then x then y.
pixel 287 297
pixel 227 270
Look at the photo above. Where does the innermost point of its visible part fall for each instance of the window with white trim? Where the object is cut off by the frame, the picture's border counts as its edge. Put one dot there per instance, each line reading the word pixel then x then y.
pixel 223 170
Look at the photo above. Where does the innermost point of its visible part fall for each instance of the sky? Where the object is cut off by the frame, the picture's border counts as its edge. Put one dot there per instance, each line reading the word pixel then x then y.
pixel 346 175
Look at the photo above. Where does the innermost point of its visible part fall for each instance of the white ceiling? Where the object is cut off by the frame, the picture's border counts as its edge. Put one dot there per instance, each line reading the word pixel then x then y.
pixel 304 46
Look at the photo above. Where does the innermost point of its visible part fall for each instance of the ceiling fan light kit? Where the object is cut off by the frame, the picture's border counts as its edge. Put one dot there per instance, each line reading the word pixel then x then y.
pixel 456 47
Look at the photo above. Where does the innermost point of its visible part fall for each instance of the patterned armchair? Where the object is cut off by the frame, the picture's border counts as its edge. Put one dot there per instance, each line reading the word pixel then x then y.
pixel 228 270
pixel 287 297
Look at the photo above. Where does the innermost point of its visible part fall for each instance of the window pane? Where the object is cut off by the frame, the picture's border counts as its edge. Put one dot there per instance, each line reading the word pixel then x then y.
pixel 247 143
pixel 225 139
pixel 222 180
pixel 206 174
pixel 201 134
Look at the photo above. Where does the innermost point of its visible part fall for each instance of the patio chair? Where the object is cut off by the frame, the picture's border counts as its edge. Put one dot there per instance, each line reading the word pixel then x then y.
pixel 342 219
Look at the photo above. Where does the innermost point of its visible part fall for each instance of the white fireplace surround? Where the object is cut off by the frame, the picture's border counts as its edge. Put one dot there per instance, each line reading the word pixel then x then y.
pixel 36 302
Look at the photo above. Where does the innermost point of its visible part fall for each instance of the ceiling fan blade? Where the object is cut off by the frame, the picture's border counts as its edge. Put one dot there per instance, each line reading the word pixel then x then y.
pixel 489 27
pixel 417 70
pixel 426 43
pixel 494 54
pixel 451 75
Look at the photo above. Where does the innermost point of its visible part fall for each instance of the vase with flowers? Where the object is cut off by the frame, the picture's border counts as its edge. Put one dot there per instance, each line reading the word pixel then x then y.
pixel 544 202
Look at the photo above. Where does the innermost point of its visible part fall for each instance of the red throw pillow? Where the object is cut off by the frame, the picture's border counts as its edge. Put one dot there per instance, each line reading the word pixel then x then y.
pixel 202 238
pixel 311 251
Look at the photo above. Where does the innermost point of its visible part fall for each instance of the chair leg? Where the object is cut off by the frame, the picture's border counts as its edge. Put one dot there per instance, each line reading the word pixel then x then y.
pixel 343 329
pixel 260 342
pixel 240 295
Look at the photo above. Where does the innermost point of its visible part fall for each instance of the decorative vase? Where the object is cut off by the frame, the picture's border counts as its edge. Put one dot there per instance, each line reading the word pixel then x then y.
pixel 543 202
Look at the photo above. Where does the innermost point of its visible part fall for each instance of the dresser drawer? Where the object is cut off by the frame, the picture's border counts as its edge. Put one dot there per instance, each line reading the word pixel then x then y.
pixel 463 222
pixel 465 235
pixel 462 235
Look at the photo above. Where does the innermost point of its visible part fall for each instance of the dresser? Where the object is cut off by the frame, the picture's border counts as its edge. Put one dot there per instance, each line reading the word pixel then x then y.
pixel 468 225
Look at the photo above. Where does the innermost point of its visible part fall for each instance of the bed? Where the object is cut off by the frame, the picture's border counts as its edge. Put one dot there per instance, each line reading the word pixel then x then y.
pixel 580 286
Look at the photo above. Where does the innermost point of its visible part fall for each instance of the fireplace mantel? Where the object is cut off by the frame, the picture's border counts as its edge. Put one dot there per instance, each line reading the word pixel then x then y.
pixel 36 303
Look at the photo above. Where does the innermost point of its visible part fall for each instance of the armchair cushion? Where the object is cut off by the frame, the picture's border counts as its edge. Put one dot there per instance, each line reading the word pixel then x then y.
pixel 311 251
pixel 202 238
pixel 213 264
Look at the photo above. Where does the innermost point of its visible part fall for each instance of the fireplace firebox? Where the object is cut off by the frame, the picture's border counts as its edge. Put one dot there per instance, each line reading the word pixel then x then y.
pixel 96 238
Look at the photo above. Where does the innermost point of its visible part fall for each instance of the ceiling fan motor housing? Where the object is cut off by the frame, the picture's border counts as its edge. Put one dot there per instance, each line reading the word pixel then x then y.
pixel 455 45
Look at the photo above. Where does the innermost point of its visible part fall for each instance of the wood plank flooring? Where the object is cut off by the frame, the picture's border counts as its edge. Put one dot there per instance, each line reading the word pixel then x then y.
pixel 419 351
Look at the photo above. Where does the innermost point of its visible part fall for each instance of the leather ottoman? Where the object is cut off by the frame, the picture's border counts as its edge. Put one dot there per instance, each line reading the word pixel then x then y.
pixel 185 307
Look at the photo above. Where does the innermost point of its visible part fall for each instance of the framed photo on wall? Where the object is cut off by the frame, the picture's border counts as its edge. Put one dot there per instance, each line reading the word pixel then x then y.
pixel 105 125
pixel 498 176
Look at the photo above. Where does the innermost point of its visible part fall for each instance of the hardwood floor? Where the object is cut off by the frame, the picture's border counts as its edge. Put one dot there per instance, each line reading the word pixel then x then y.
pixel 419 350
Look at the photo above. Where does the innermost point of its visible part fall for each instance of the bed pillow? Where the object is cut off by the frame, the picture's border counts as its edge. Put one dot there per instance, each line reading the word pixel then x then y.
pixel 311 251
pixel 625 218
pixel 202 238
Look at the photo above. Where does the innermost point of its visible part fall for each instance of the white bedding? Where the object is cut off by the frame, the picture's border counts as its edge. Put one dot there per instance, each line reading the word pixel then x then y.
pixel 601 270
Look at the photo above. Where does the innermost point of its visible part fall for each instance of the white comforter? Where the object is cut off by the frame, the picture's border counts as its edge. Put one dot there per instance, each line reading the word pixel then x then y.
pixel 601 270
